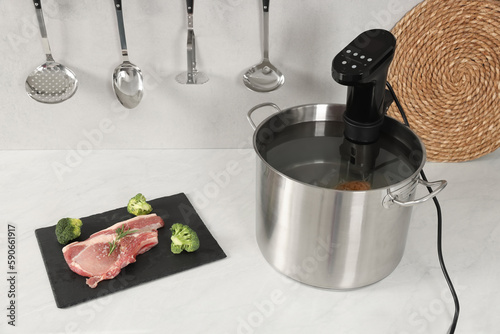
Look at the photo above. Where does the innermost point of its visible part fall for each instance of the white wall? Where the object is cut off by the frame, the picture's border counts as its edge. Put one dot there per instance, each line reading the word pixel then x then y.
pixel 304 38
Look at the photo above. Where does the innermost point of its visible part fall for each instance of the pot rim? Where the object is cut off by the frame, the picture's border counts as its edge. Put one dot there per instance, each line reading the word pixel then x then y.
pixel 393 187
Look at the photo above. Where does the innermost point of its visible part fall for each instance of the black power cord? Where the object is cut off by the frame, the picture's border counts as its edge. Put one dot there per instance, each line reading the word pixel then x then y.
pixel 439 226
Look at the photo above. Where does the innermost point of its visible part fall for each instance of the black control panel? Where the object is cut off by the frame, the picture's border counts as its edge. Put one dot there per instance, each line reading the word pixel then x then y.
pixel 364 57
pixel 363 66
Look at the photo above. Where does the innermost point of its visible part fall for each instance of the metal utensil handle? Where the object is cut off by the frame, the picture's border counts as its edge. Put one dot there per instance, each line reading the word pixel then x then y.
pixel 191 56
pixel 441 185
pixel 121 29
pixel 191 44
pixel 190 10
pixel 265 26
pixel 190 6
pixel 43 30
pixel 250 112
pixel 265 5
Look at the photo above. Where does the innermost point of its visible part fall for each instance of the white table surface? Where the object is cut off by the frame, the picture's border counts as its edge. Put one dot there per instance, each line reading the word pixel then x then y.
pixel 242 293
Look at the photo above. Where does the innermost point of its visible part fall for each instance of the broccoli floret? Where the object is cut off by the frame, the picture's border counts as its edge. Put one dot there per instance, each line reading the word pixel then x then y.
pixel 68 229
pixel 137 205
pixel 183 238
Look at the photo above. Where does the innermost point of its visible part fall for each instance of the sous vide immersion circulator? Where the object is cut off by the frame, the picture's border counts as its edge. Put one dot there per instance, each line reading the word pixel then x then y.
pixel 362 66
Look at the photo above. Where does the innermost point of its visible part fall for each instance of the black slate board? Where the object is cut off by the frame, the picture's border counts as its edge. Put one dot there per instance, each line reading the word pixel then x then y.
pixel 70 288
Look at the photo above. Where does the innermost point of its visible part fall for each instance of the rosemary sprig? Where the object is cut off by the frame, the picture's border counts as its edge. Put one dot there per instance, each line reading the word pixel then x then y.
pixel 120 233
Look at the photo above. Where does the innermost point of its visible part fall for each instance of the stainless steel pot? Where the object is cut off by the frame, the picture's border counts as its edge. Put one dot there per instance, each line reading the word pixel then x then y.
pixel 313 233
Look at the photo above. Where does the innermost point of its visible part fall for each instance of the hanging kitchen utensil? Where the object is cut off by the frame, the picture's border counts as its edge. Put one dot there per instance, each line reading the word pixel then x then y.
pixel 192 76
pixel 127 77
pixel 264 77
pixel 50 82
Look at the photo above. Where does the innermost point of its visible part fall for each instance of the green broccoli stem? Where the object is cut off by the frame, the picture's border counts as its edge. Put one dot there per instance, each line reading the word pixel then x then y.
pixel 176 241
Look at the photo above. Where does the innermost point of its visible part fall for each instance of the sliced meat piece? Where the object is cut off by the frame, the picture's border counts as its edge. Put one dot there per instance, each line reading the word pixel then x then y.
pixel 90 258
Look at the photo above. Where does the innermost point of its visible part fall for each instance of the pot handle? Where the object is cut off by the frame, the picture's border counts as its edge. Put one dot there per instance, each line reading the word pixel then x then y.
pixel 441 184
pixel 250 112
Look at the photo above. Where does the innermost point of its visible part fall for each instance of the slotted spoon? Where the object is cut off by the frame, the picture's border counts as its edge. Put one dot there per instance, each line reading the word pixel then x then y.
pixel 50 82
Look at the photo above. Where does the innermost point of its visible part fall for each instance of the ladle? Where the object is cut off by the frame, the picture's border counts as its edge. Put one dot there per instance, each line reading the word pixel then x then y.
pixel 50 82
pixel 264 77
pixel 127 77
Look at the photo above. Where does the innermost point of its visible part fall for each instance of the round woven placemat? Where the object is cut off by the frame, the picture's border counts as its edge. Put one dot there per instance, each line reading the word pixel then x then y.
pixel 446 73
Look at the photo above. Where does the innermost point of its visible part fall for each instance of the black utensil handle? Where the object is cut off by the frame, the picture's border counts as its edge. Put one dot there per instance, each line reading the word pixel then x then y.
pixel 118 4
pixel 265 5
pixel 38 4
pixel 190 6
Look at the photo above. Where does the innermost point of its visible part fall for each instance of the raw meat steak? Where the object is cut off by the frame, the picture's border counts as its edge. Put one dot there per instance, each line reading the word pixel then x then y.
pixel 90 258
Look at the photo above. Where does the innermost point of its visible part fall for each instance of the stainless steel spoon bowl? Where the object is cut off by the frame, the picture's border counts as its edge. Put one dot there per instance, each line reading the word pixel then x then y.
pixel 264 77
pixel 128 84
pixel 127 77
pixel 50 82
